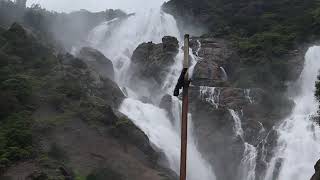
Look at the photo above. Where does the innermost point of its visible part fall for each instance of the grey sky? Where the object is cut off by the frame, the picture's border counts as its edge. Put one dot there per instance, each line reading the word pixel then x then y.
pixel 96 5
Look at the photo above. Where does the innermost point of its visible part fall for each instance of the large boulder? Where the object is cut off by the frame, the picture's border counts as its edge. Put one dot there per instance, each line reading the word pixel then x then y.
pixel 316 176
pixel 217 61
pixel 167 104
pixel 151 62
pixel 78 80
pixel 97 62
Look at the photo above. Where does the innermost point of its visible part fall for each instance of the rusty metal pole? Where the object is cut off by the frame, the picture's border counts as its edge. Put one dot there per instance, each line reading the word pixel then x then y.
pixel 185 107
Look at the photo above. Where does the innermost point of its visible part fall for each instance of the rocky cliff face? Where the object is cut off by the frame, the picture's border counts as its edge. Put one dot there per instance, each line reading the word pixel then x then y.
pixel 218 105
pixel 230 121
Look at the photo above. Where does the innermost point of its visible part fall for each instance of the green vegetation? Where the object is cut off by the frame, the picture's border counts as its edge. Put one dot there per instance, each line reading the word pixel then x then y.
pixel 31 76
pixel 15 138
pixel 263 32
pixel 16 89
pixel 26 69
pixel 270 27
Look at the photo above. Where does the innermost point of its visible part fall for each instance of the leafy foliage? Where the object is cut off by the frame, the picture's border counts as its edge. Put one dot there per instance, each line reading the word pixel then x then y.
pixel 270 27
pixel 19 69
pixel 263 31
pixel 15 138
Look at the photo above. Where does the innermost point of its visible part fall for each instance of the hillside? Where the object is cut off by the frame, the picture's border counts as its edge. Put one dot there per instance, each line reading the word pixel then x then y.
pixel 59 113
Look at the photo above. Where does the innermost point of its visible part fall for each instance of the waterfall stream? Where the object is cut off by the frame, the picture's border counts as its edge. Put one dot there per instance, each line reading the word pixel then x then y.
pixel 117 39
pixel 250 154
pixel 298 146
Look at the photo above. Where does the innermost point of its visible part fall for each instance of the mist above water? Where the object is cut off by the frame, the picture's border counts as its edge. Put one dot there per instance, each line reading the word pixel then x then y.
pixel 97 5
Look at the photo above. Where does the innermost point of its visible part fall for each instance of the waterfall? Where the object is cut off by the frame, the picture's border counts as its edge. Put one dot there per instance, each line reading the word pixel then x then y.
pixel 199 48
pixel 224 74
pixel 117 39
pixel 249 160
pixel 210 95
pixel 299 137
pixel 247 93
pixel 237 123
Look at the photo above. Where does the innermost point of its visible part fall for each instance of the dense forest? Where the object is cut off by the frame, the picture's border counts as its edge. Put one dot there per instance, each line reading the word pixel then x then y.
pixel 264 32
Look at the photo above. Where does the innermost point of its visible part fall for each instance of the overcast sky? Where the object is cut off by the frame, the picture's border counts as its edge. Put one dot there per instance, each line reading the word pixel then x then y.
pixel 96 5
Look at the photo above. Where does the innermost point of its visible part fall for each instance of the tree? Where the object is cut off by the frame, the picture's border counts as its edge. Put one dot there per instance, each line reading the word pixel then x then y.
pixel 21 3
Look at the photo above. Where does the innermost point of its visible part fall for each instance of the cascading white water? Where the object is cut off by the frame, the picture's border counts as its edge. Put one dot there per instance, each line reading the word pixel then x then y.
pixel 210 95
pixel 249 162
pixel 224 74
pixel 117 39
pixel 199 48
pixel 237 123
pixel 247 95
pixel 299 137
pixel 250 154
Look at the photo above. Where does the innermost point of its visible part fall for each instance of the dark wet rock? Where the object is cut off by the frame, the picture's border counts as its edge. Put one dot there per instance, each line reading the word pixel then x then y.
pixel 146 100
pixel 38 176
pixel 170 44
pixel 166 104
pixel 69 60
pixel 97 62
pixel 233 98
pixel 316 176
pixel 66 173
pixel 214 55
pixel 110 92
pixel 78 76
pixel 216 138
pixel 150 62
pixel 115 13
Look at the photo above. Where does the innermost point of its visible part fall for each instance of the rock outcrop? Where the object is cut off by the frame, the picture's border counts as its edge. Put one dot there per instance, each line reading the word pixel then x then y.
pixel 316 176
pixel 167 104
pixel 217 61
pixel 97 62
pixel 151 62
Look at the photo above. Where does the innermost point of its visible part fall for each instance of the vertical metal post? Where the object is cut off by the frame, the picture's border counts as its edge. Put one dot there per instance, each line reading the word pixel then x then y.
pixel 185 106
